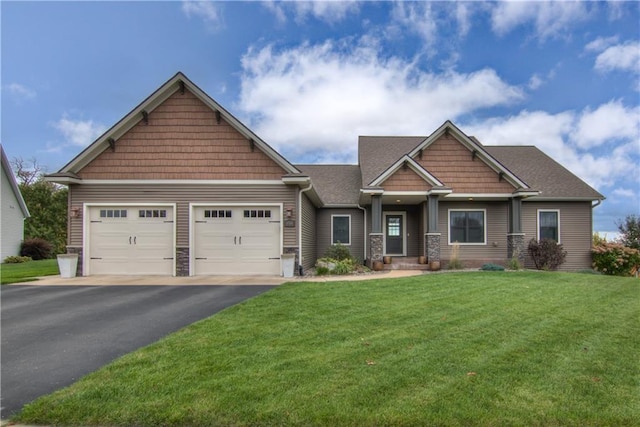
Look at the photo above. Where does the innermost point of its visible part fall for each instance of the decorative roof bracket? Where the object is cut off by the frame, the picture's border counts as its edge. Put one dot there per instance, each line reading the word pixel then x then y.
pixel 474 154
pixel 500 175
pixel 218 117
pixel 181 87
pixel 252 145
pixel 145 117
pixel 112 144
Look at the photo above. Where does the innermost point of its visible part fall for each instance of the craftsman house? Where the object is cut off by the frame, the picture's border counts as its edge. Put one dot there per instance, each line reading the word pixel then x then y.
pixel 179 186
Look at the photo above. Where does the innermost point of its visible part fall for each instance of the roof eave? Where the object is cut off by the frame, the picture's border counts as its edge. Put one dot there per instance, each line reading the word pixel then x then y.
pixel 14 183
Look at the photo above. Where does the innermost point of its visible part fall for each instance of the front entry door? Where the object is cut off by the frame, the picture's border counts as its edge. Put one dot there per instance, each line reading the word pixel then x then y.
pixel 394 234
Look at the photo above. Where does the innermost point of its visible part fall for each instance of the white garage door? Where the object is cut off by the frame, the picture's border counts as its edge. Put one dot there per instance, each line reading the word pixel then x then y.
pixel 131 240
pixel 236 240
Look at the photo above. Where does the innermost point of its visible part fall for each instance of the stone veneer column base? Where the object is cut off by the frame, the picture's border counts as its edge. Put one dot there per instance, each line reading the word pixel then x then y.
pixel 376 247
pixel 76 250
pixel 432 246
pixel 515 247
pixel 296 252
pixel 182 261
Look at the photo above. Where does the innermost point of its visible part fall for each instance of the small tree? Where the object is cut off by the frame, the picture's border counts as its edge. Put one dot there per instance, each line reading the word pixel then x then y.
pixel 47 204
pixel 630 231
pixel 547 254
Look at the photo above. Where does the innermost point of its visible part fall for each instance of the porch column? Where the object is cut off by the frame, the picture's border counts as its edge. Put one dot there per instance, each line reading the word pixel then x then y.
pixel 376 235
pixel 432 236
pixel 515 236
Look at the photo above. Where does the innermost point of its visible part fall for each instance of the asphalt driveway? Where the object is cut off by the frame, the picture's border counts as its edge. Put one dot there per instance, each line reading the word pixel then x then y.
pixel 52 336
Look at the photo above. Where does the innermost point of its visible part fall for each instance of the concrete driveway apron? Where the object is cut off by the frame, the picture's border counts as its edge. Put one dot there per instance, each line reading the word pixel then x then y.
pixel 53 335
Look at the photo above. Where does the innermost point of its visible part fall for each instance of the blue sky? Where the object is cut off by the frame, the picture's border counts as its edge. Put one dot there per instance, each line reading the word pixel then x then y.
pixel 310 77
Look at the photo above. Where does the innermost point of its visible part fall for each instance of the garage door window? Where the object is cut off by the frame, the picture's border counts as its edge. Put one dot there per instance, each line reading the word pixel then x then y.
pixel 257 213
pixel 217 213
pixel 113 213
pixel 152 213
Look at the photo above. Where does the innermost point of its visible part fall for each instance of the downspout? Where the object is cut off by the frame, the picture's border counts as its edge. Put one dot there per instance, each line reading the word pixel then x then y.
pixel 597 203
pixel 300 219
pixel 364 212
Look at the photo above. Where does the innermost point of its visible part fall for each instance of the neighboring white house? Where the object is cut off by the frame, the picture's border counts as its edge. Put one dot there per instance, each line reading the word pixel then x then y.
pixel 12 213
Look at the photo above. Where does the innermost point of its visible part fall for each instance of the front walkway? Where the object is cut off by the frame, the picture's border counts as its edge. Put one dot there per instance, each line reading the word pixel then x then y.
pixel 208 280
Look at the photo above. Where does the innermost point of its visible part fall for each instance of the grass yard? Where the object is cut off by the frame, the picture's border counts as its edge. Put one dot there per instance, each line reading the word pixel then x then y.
pixel 486 349
pixel 28 271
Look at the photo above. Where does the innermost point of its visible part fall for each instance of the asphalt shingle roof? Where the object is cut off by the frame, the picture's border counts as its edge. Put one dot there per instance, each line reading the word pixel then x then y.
pixel 377 153
pixel 541 172
pixel 335 184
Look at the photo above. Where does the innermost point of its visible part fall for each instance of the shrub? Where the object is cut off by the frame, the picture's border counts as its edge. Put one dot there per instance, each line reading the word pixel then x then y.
pixel 491 267
pixel 334 266
pixel 17 259
pixel 345 266
pixel 36 248
pixel 514 264
pixel 547 254
pixel 615 259
pixel 338 252
pixel 322 271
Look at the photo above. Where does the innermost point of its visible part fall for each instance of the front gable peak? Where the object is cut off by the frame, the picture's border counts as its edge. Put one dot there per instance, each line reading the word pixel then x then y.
pixel 179 108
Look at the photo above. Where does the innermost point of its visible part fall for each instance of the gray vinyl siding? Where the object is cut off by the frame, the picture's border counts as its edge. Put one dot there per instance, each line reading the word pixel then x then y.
pixel 575 230
pixel 323 231
pixel 308 233
pixel 496 223
pixel 182 195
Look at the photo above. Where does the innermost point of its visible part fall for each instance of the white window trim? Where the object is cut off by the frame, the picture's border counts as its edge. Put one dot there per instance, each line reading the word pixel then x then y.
pixel 350 237
pixel 484 212
pixel 557 211
pixel 404 232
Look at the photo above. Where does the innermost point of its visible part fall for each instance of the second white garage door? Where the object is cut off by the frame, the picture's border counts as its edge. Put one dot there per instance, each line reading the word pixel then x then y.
pixel 236 240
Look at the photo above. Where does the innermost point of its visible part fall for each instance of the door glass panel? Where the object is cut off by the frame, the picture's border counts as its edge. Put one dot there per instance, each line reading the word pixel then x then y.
pixel 393 226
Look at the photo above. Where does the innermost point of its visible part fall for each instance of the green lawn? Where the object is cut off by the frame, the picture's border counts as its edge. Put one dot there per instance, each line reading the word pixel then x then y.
pixel 28 271
pixel 487 349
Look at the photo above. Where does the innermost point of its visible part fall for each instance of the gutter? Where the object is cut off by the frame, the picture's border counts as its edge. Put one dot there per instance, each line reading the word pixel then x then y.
pixel 364 212
pixel 597 203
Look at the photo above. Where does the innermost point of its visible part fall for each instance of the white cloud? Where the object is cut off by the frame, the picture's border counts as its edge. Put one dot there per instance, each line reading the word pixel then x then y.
pixel 624 57
pixel 417 17
pixel 554 134
pixel 21 92
pixel 535 82
pixel 329 11
pixel 601 43
pixel 625 193
pixel 609 122
pixel 206 10
pixel 550 19
pixel 79 132
pixel 321 97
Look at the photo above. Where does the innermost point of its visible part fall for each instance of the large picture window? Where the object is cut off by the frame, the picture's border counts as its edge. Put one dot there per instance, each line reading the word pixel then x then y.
pixel 341 229
pixel 549 225
pixel 467 227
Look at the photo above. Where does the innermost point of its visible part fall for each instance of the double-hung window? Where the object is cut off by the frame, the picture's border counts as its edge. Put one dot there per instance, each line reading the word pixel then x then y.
pixel 341 229
pixel 467 226
pixel 549 225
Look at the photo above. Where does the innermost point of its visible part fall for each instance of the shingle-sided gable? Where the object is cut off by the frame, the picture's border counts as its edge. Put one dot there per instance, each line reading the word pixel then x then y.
pixel 457 167
pixel 182 138
pixel 405 179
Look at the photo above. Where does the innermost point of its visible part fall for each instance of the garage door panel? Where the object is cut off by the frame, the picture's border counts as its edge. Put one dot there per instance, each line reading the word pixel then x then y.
pixel 131 240
pixel 240 240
